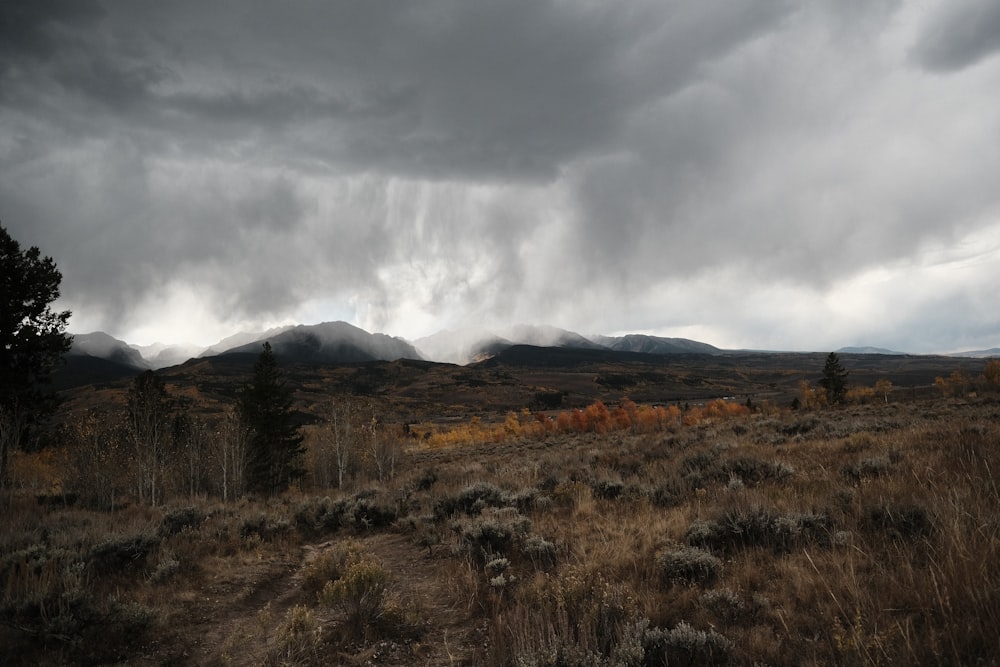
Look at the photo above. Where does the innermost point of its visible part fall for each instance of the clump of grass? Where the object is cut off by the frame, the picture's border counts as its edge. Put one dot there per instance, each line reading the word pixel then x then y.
pixel 329 565
pixel 740 528
pixel 493 533
pixel 368 514
pixel 265 527
pixel 670 493
pixel 427 479
pixel 176 520
pixel 540 551
pixel 608 489
pixel 686 646
pixel 46 594
pixel 900 521
pixel 688 566
pixel 527 500
pixel 360 595
pixel 724 604
pixel 318 516
pixel 120 552
pixel 869 468
pixel 569 619
pixel 298 640
pixel 168 566
pixel 569 493
pixel 471 500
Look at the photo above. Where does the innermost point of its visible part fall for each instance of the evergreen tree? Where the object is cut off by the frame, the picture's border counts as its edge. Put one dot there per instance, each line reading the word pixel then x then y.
pixel 834 379
pixel 32 340
pixel 275 451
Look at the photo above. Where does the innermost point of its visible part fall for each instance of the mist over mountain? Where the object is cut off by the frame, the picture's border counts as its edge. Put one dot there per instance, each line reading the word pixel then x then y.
pixel 162 355
pixel 979 354
pixel 340 342
pixel 331 342
pixel 655 344
pixel 465 346
pixel 103 346
pixel 460 346
pixel 97 357
pixel 866 350
pixel 242 338
pixel 547 336
pixel 468 345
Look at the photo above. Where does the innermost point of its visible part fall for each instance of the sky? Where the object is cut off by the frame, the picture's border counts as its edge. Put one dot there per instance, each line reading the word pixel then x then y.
pixel 768 174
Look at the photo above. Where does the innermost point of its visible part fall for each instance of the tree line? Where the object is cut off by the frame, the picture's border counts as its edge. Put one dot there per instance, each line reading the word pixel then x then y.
pixel 158 446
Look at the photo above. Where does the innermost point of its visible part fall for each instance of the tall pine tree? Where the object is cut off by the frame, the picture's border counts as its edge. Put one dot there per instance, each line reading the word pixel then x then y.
pixel 834 379
pixel 275 451
pixel 33 340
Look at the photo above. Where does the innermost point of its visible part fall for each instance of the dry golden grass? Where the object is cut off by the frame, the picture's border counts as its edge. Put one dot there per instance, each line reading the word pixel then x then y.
pixel 863 535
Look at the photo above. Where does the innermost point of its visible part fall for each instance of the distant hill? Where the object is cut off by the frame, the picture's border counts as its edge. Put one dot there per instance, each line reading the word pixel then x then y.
pixel 459 346
pixel 160 355
pixel 334 342
pixel 95 358
pixel 979 354
pixel 546 336
pixel 102 346
pixel 331 342
pixel 464 346
pixel 866 350
pixel 655 345
pixel 241 339
pixel 567 357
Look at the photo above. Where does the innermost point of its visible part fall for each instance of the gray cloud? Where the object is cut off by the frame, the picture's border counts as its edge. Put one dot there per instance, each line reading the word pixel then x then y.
pixel 958 35
pixel 599 167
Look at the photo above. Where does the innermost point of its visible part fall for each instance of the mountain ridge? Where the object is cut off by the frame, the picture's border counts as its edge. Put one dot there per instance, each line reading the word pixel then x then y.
pixel 332 342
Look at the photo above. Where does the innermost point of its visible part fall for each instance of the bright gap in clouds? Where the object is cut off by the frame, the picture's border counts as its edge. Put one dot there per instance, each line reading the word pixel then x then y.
pixel 182 313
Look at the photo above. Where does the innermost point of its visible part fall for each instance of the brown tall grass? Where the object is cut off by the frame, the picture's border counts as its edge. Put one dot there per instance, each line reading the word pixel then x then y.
pixel 861 535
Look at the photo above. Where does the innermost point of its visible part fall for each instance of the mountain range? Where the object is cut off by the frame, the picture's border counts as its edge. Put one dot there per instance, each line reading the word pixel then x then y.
pixel 339 342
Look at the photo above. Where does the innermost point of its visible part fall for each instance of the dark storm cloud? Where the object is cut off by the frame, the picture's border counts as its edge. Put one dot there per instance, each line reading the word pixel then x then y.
pixel 592 165
pixel 30 28
pixel 960 34
pixel 447 89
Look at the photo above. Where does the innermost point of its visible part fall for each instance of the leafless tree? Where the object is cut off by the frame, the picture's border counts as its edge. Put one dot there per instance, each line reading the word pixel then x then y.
pixel 233 441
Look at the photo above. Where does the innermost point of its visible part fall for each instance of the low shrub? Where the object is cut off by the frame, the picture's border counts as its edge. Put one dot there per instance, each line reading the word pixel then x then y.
pixel 46 595
pixel 487 538
pixel 166 568
pixel 427 479
pixel 298 639
pixel 753 471
pixel 176 520
pixel 319 516
pixel 758 527
pixel 368 514
pixel 329 565
pixel 471 500
pixel 608 489
pixel 265 527
pixel 899 521
pixel 685 646
pixel 360 594
pixel 540 551
pixel 688 566
pixel 724 604
pixel 120 552
pixel 866 469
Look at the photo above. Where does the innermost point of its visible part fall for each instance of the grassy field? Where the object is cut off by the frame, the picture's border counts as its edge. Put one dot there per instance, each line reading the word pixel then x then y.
pixel 858 535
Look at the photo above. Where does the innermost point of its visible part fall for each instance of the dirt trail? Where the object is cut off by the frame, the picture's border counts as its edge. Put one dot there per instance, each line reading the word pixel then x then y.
pixel 451 636
pixel 234 616
pixel 230 621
